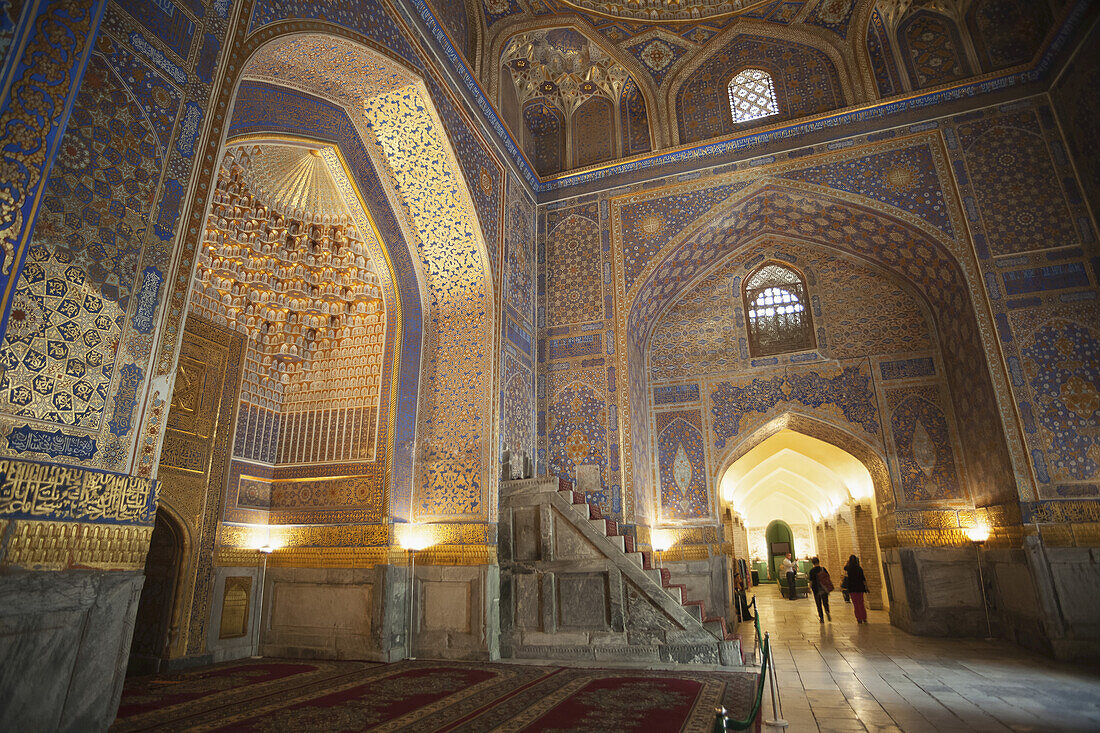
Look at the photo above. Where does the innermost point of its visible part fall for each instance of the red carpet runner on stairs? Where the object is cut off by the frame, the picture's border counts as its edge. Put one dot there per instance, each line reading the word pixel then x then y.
pixel 283 695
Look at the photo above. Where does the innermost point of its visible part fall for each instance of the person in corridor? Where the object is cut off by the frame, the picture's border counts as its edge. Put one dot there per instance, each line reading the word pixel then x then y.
pixel 857 586
pixel 820 585
pixel 790 567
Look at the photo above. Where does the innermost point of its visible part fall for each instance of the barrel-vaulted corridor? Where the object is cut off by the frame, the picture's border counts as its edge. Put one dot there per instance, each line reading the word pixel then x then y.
pixel 837 676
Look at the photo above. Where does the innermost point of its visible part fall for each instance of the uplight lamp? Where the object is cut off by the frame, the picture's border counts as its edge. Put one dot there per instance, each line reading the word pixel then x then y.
pixel 978 533
pixel 415 537
pixel 661 539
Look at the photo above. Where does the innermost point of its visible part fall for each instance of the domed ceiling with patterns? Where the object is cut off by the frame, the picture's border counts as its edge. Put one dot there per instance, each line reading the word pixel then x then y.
pixel 285 260
pixel 662 67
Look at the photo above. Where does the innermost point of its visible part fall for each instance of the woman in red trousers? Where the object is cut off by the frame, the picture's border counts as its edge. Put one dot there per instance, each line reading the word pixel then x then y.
pixel 857 586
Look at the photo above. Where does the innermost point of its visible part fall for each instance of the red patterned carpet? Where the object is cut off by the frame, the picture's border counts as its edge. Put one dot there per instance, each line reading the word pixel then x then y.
pixel 284 695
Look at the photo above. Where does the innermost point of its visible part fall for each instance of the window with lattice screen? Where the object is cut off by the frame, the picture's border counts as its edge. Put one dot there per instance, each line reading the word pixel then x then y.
pixel 752 95
pixel 777 310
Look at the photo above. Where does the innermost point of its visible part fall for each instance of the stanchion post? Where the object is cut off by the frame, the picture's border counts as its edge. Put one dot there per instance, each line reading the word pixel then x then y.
pixel 777 720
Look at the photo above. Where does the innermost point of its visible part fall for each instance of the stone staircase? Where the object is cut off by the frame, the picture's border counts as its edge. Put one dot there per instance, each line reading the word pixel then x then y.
pixel 651 617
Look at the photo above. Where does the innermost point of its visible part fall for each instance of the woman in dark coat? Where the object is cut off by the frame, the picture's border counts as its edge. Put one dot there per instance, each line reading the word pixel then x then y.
pixel 857 586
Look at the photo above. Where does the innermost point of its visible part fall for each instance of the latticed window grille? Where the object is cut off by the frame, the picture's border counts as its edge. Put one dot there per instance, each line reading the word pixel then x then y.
pixel 752 95
pixel 778 312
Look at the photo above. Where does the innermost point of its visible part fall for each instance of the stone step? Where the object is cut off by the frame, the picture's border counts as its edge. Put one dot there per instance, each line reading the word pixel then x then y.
pixel 695 608
pixel 677 593
pixel 634 557
pixel 619 541
pixel 600 525
pixel 583 510
pixel 716 628
pixel 653 573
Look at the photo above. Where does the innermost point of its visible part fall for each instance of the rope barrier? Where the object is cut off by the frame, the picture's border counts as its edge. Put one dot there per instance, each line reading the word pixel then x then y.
pixel 721 720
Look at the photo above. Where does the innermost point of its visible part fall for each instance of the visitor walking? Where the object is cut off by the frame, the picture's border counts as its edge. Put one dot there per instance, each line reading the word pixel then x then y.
pixel 791 569
pixel 857 586
pixel 821 585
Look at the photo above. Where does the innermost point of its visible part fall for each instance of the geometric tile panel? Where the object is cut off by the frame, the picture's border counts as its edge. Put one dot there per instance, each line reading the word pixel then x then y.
pixel 574 275
pixel 1062 365
pixel 70 300
pixel 519 268
pixel 1018 190
pixel 906 178
pixel 649 225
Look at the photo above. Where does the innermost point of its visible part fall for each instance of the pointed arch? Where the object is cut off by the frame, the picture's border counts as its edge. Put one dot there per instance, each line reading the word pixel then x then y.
pixel 902 244
pixel 494 50
pixel 871 456
pixel 852 88
pixel 437 253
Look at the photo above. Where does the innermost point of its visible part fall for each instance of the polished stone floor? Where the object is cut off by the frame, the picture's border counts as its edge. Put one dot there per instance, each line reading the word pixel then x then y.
pixel 840 676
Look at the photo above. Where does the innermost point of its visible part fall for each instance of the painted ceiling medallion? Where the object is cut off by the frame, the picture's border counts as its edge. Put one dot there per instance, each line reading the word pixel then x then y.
pixel 296 182
pixel 657 55
pixel 665 11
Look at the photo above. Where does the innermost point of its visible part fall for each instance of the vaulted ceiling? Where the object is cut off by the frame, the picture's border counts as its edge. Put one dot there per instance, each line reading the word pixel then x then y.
pixel 793 477
pixel 665 64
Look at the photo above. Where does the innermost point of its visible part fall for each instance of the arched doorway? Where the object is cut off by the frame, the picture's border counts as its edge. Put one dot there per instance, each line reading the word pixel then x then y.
pixel 153 626
pixel 794 484
pixel 779 540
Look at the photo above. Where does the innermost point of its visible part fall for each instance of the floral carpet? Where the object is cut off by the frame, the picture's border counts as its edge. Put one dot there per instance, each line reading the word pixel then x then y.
pixel 284 695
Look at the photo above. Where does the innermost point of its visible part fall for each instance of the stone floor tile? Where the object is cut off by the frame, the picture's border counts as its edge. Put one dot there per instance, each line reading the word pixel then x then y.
pixel 879 678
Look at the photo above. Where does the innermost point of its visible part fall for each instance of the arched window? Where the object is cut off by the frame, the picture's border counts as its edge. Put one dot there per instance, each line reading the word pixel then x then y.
pixel 778 312
pixel 752 95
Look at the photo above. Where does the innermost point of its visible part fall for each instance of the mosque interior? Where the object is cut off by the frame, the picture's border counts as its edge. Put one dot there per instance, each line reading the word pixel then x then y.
pixel 481 330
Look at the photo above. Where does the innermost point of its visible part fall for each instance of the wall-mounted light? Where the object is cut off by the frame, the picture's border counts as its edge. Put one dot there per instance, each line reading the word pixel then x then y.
pixel 661 540
pixel 978 534
pixel 414 537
